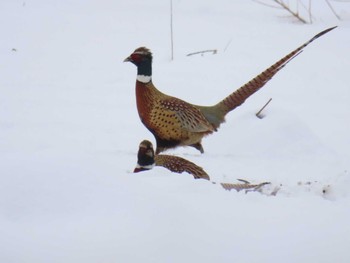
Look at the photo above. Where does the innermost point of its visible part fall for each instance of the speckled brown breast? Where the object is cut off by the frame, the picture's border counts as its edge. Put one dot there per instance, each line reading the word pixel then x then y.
pixel 169 118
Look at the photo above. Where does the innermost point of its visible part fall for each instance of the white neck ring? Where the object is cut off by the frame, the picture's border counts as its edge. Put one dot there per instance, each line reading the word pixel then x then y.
pixel 148 167
pixel 143 78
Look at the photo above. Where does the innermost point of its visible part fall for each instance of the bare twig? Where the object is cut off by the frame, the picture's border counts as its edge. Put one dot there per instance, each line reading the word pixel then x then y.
pixel 304 6
pixel 333 11
pixel 285 6
pixel 258 114
pixel 227 45
pixel 214 51
pixel 310 13
pixel 262 3
pixel 171 30
pixel 243 181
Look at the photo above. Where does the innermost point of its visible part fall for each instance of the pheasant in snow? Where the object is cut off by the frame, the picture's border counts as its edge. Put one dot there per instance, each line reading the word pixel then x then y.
pixel 147 159
pixel 175 122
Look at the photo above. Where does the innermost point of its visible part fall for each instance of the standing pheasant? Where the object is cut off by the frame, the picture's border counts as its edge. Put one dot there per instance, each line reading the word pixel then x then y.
pixel 175 122
pixel 146 160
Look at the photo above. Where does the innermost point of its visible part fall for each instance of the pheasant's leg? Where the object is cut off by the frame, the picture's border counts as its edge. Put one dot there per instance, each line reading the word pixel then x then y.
pixel 198 146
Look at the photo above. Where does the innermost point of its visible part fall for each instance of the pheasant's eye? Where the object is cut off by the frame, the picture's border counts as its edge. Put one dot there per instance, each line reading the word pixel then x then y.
pixel 135 57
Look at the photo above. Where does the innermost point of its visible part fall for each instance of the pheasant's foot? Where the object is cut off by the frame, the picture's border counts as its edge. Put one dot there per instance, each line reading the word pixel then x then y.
pixel 198 146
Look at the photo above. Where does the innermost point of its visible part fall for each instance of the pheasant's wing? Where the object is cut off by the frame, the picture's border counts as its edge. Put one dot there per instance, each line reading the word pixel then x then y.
pixel 180 165
pixel 188 116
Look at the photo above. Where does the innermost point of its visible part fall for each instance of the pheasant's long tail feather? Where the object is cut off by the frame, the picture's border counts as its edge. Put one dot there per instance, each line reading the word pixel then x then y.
pixel 239 96
pixel 243 186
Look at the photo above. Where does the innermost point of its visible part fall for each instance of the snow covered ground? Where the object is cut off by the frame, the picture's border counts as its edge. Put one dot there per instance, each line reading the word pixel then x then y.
pixel 69 133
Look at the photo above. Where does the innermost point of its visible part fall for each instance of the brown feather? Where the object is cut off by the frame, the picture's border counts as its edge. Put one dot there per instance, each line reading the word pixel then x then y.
pixel 180 165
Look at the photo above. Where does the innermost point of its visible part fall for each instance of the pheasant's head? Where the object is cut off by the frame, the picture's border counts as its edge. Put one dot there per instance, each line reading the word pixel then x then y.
pixel 140 56
pixel 145 157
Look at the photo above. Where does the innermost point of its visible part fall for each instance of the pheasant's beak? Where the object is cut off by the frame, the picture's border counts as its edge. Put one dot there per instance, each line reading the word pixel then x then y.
pixel 128 59
pixel 136 170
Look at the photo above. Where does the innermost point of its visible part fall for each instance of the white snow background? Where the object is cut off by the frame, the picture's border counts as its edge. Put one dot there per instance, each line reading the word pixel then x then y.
pixel 69 134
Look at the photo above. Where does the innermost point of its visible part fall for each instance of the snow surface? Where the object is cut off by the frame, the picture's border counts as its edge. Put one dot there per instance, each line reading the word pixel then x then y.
pixel 69 133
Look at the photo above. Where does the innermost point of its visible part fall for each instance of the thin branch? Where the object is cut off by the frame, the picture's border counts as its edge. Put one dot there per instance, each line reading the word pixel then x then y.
pixel 214 51
pixel 281 3
pixel 303 5
pixel 258 114
pixel 171 30
pixel 227 45
pixel 310 13
pixel 262 3
pixel 331 7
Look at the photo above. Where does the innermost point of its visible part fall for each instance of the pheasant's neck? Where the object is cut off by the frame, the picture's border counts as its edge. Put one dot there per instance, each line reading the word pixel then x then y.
pixel 144 163
pixel 144 72
pixel 140 168
pixel 144 159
